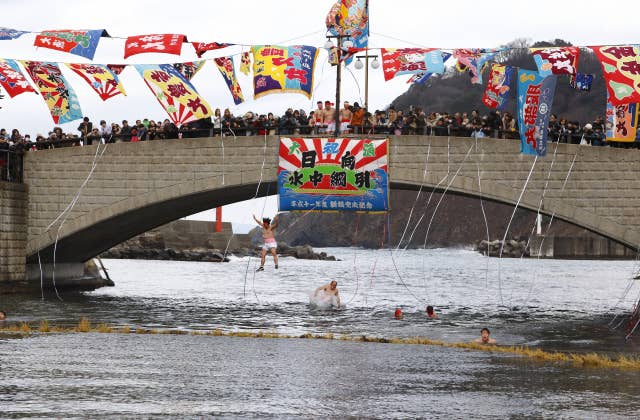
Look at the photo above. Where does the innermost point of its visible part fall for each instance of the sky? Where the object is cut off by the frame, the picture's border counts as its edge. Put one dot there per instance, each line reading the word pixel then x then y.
pixel 393 24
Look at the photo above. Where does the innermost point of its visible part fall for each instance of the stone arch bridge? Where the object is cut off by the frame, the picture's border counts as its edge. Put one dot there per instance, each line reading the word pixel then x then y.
pixel 135 187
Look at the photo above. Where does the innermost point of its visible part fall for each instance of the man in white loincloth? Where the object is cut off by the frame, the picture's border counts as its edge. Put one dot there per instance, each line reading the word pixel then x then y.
pixel 330 289
pixel 269 238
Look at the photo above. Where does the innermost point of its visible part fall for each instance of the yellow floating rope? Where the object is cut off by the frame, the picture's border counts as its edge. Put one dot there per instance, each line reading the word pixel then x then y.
pixel 587 360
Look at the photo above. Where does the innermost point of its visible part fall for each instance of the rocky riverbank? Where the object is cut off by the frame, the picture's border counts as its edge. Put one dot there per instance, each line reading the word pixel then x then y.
pixel 512 248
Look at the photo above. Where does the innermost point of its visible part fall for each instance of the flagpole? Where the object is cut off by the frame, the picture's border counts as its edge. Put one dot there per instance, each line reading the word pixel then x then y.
pixel 366 60
pixel 338 80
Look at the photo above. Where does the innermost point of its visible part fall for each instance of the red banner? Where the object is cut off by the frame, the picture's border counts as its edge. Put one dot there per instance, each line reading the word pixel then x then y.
pixel 156 43
pixel 621 71
pixel 203 47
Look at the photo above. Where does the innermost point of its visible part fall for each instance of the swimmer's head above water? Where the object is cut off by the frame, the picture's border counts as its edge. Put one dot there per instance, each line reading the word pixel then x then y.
pixel 333 284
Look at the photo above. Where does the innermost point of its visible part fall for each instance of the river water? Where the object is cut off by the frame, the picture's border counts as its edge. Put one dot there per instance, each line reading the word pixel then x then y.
pixel 555 305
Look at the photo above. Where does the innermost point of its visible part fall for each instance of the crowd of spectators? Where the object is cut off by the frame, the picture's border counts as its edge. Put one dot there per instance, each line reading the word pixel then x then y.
pixel 351 119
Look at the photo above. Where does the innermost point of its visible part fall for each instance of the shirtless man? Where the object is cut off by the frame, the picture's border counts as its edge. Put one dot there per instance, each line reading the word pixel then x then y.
pixel 484 337
pixel 329 117
pixel 269 240
pixel 345 118
pixel 319 119
pixel 330 289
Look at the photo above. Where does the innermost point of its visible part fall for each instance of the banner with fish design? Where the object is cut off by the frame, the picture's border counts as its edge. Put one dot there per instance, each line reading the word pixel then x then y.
pixel 350 17
pixel 473 61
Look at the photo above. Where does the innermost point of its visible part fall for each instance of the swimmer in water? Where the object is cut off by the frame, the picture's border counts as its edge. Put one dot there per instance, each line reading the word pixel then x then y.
pixel 485 337
pixel 430 312
pixel 330 289
pixel 3 315
pixel 269 238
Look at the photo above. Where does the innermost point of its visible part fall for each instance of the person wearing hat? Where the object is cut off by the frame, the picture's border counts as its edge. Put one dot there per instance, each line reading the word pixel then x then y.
pixel 345 118
pixel 588 136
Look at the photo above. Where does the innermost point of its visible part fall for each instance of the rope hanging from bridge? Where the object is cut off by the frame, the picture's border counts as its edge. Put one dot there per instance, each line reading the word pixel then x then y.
pixel 504 238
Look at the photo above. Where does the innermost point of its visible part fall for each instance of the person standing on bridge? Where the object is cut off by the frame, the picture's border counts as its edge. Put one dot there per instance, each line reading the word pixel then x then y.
pixel 269 238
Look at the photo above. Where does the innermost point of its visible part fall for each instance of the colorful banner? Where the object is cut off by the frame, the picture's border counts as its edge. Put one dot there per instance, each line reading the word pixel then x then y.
pixel 350 17
pixel 57 93
pixel 175 93
pixel 582 81
pixel 8 33
pixel 228 72
pixel 410 61
pixel 333 174
pixel 245 63
pixel 203 47
pixel 496 94
pixel 420 78
pixel 188 70
pixel 535 97
pixel 116 68
pixel 12 79
pixel 155 43
pixel 622 122
pixel 100 77
pixel 473 61
pixel 79 42
pixel 621 71
pixel 556 60
pixel 283 69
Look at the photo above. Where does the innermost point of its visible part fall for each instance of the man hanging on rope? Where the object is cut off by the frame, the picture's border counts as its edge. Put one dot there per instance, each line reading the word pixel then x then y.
pixel 268 236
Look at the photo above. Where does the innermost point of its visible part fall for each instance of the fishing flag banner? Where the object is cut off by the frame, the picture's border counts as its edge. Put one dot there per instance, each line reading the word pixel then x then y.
pixel 12 79
pixel 621 71
pixel 535 97
pixel 350 17
pixel 473 61
pixel 582 81
pixel 116 68
pixel 228 72
pixel 203 47
pixel 8 33
pixel 283 69
pixel 496 94
pixel 410 61
pixel 79 42
pixel 155 43
pixel 176 94
pixel 100 77
pixel 622 122
pixel 188 70
pixel 420 78
pixel 58 95
pixel 333 174
pixel 245 63
pixel 556 60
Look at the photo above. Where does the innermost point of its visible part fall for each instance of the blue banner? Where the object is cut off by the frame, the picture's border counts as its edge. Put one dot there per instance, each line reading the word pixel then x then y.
pixel 8 33
pixel 323 174
pixel 535 97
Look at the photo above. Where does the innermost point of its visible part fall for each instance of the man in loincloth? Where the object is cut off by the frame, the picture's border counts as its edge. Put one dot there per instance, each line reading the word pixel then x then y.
pixel 269 238
pixel 345 118
pixel 330 289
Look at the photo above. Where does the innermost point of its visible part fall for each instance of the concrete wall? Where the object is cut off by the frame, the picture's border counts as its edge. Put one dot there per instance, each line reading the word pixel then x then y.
pixel 14 202
pixel 138 186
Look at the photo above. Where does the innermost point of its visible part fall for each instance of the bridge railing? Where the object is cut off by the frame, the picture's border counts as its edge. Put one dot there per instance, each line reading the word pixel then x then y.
pixel 11 165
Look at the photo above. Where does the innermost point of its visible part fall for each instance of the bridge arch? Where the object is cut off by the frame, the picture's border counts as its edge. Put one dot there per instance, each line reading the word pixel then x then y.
pixel 136 187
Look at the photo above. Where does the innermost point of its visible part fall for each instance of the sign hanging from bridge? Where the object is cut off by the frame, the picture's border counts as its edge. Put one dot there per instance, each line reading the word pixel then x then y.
pixel 324 174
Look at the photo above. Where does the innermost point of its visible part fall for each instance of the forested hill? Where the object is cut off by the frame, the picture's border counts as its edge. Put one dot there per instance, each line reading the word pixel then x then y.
pixel 453 91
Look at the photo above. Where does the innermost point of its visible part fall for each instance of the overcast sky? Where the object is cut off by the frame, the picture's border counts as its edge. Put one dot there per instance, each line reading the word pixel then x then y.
pixel 399 23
